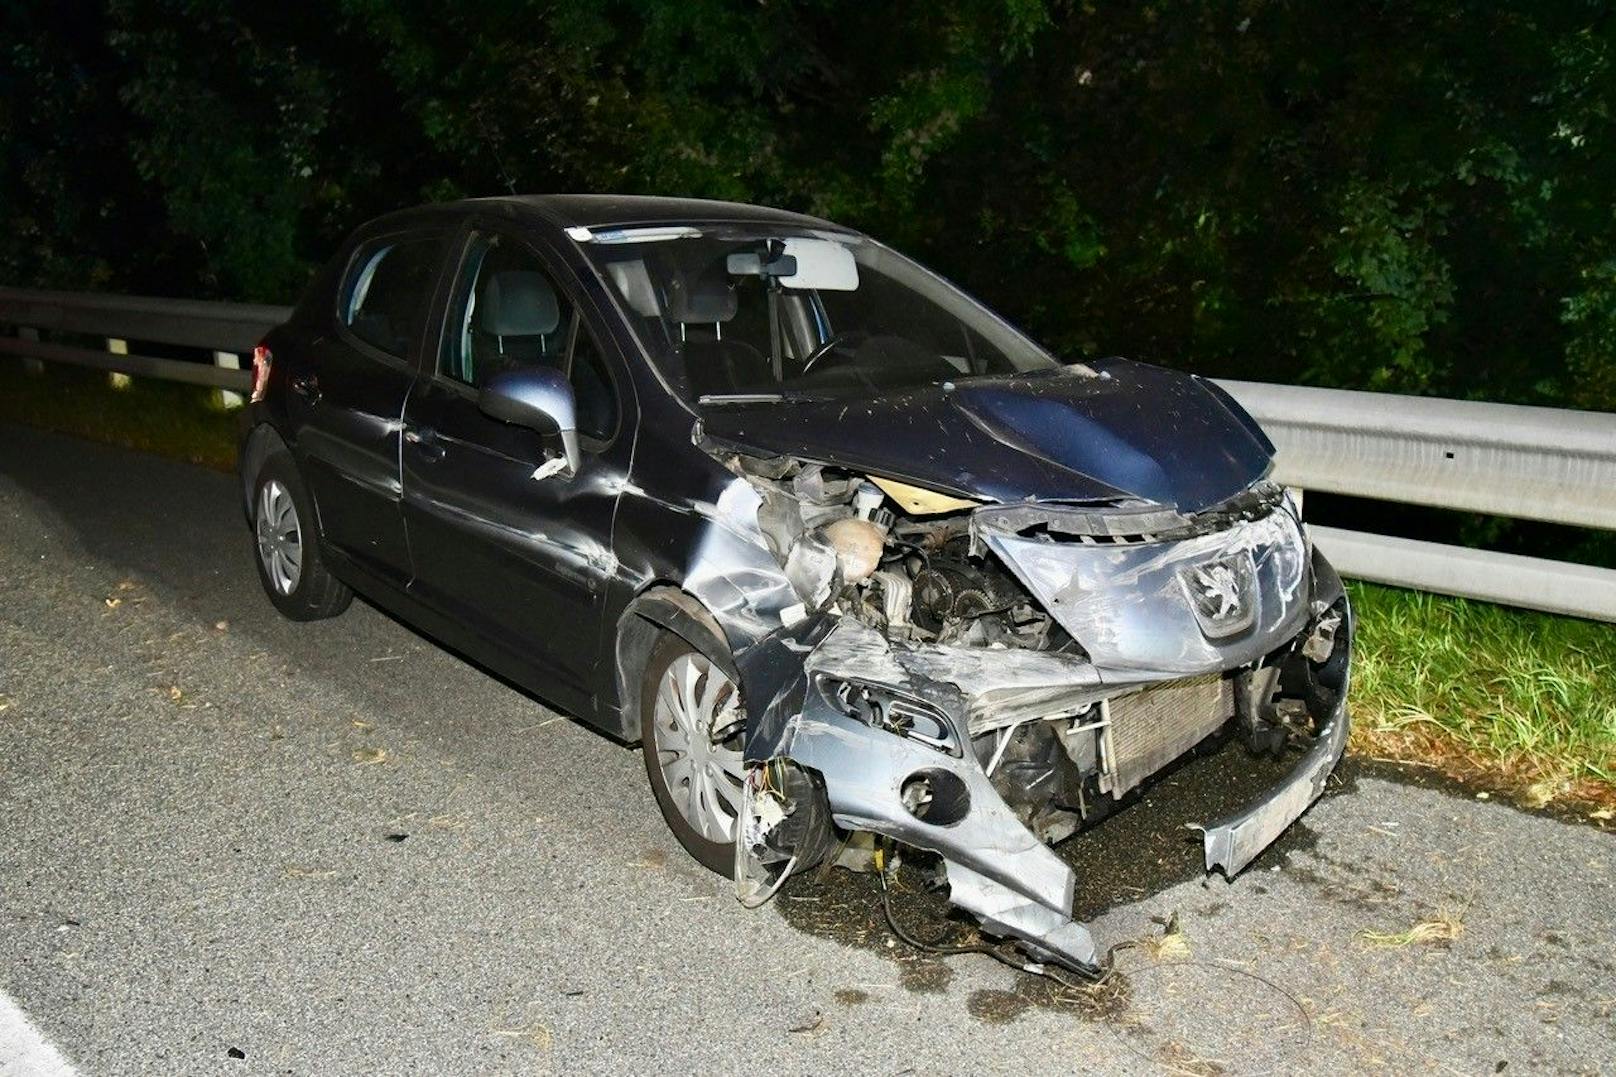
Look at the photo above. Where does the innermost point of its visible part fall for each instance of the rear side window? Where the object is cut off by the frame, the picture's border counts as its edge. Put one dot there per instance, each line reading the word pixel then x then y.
pixel 389 285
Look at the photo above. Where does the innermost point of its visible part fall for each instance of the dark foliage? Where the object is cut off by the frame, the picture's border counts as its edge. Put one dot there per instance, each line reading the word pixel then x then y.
pixel 1411 196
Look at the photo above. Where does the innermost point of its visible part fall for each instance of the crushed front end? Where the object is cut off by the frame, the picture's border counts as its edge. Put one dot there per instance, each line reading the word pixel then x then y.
pixel 985 681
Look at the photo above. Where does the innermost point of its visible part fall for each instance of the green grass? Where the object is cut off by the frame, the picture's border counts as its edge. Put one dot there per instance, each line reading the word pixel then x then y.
pixel 1524 700
pixel 1525 697
pixel 155 416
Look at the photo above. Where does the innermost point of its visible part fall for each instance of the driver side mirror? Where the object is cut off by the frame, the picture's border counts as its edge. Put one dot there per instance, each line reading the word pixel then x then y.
pixel 539 398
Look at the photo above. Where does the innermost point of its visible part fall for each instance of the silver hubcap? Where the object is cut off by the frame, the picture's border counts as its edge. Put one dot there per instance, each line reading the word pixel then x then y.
pixel 698 731
pixel 280 539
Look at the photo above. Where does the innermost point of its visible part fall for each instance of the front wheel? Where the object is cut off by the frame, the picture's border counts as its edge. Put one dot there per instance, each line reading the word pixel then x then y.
pixel 288 548
pixel 691 732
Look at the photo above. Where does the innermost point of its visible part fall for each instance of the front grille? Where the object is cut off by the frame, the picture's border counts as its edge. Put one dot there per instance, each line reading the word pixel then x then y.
pixel 1150 729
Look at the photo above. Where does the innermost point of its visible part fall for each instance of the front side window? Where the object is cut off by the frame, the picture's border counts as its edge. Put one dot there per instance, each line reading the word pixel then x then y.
pixel 508 314
pixel 387 291
pixel 730 311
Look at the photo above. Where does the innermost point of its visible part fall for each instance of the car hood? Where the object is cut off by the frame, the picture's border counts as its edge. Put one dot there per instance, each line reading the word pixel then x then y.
pixel 1115 429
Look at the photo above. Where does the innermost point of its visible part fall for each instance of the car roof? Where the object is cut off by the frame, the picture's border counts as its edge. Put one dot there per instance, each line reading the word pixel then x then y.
pixel 601 210
pixel 617 210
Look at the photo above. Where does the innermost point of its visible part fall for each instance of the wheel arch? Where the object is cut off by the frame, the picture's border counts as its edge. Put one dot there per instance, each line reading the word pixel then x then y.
pixel 662 607
pixel 261 442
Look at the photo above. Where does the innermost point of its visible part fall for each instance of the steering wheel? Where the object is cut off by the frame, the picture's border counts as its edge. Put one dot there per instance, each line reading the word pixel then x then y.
pixel 836 340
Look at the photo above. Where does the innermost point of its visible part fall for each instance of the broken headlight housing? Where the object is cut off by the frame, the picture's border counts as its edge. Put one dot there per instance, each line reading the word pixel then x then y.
pixel 881 708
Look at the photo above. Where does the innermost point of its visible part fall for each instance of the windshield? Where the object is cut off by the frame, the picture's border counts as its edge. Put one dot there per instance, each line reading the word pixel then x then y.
pixel 732 312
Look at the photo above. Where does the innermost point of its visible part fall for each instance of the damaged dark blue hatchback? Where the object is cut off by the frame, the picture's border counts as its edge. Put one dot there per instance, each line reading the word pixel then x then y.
pixel 852 559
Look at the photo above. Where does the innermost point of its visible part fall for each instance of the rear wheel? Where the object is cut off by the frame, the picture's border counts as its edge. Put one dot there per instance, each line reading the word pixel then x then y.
pixel 288 548
pixel 692 733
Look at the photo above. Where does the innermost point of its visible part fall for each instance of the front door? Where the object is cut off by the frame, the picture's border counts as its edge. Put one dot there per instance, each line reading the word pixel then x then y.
pixel 500 540
pixel 348 400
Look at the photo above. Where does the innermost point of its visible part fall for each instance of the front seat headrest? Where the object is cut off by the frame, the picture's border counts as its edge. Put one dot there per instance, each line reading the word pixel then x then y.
pixel 518 303
pixel 702 295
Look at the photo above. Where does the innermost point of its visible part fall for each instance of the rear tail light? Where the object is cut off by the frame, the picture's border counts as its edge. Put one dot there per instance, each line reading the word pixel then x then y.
pixel 262 360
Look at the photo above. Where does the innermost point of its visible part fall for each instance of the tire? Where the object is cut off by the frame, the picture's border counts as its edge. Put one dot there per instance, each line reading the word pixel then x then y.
pixel 286 545
pixel 698 801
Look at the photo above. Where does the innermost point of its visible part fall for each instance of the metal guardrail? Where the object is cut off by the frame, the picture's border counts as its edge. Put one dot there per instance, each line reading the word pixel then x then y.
pixel 229 330
pixel 1508 579
pixel 233 327
pixel 1550 464
pixel 1499 459
pixel 217 376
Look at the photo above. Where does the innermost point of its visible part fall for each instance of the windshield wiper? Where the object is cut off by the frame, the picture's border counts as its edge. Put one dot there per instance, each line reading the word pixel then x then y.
pixel 728 399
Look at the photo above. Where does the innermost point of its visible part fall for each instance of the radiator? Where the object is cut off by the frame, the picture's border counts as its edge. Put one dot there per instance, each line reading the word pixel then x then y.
pixel 1150 729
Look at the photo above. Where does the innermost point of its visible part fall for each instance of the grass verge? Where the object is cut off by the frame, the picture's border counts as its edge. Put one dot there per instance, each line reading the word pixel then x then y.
pixel 154 416
pixel 1520 702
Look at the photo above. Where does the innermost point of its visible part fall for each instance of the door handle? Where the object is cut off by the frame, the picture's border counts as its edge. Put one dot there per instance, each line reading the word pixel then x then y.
pixel 306 385
pixel 425 439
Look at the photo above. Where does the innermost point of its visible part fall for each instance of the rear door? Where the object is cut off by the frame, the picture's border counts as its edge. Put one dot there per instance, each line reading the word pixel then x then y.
pixel 515 552
pixel 349 400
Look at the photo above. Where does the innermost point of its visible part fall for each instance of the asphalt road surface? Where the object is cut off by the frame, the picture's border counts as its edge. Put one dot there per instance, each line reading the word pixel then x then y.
pixel 229 843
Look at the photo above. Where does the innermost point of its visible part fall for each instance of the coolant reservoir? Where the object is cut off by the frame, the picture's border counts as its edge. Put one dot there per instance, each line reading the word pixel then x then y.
pixel 867 499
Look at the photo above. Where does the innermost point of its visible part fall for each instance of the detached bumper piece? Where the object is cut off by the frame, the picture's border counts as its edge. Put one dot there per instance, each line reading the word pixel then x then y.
pixel 1236 841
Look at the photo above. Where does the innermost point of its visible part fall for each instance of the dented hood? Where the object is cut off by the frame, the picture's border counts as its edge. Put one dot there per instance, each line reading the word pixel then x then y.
pixel 1065 434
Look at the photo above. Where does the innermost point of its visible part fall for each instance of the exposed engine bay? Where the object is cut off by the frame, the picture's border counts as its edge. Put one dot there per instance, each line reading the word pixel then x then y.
pixel 982 681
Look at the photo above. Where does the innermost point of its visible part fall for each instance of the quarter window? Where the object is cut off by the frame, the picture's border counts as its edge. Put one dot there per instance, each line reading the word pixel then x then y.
pixel 388 290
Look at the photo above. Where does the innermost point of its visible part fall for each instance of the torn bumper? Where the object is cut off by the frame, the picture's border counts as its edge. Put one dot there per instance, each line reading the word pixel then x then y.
pixel 997 869
pixel 1235 841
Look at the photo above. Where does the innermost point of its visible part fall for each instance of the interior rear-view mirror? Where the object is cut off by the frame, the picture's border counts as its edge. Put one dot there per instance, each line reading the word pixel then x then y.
pixel 799 263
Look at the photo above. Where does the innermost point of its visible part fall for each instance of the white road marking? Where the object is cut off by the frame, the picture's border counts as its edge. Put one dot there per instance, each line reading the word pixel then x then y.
pixel 24 1051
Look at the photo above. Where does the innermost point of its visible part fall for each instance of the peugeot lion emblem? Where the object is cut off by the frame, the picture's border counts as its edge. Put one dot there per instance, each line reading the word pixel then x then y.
pixel 1222 593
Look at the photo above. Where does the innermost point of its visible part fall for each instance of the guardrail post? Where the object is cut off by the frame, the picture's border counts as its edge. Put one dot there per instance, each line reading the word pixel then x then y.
pixel 33 366
pixel 115 379
pixel 227 399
